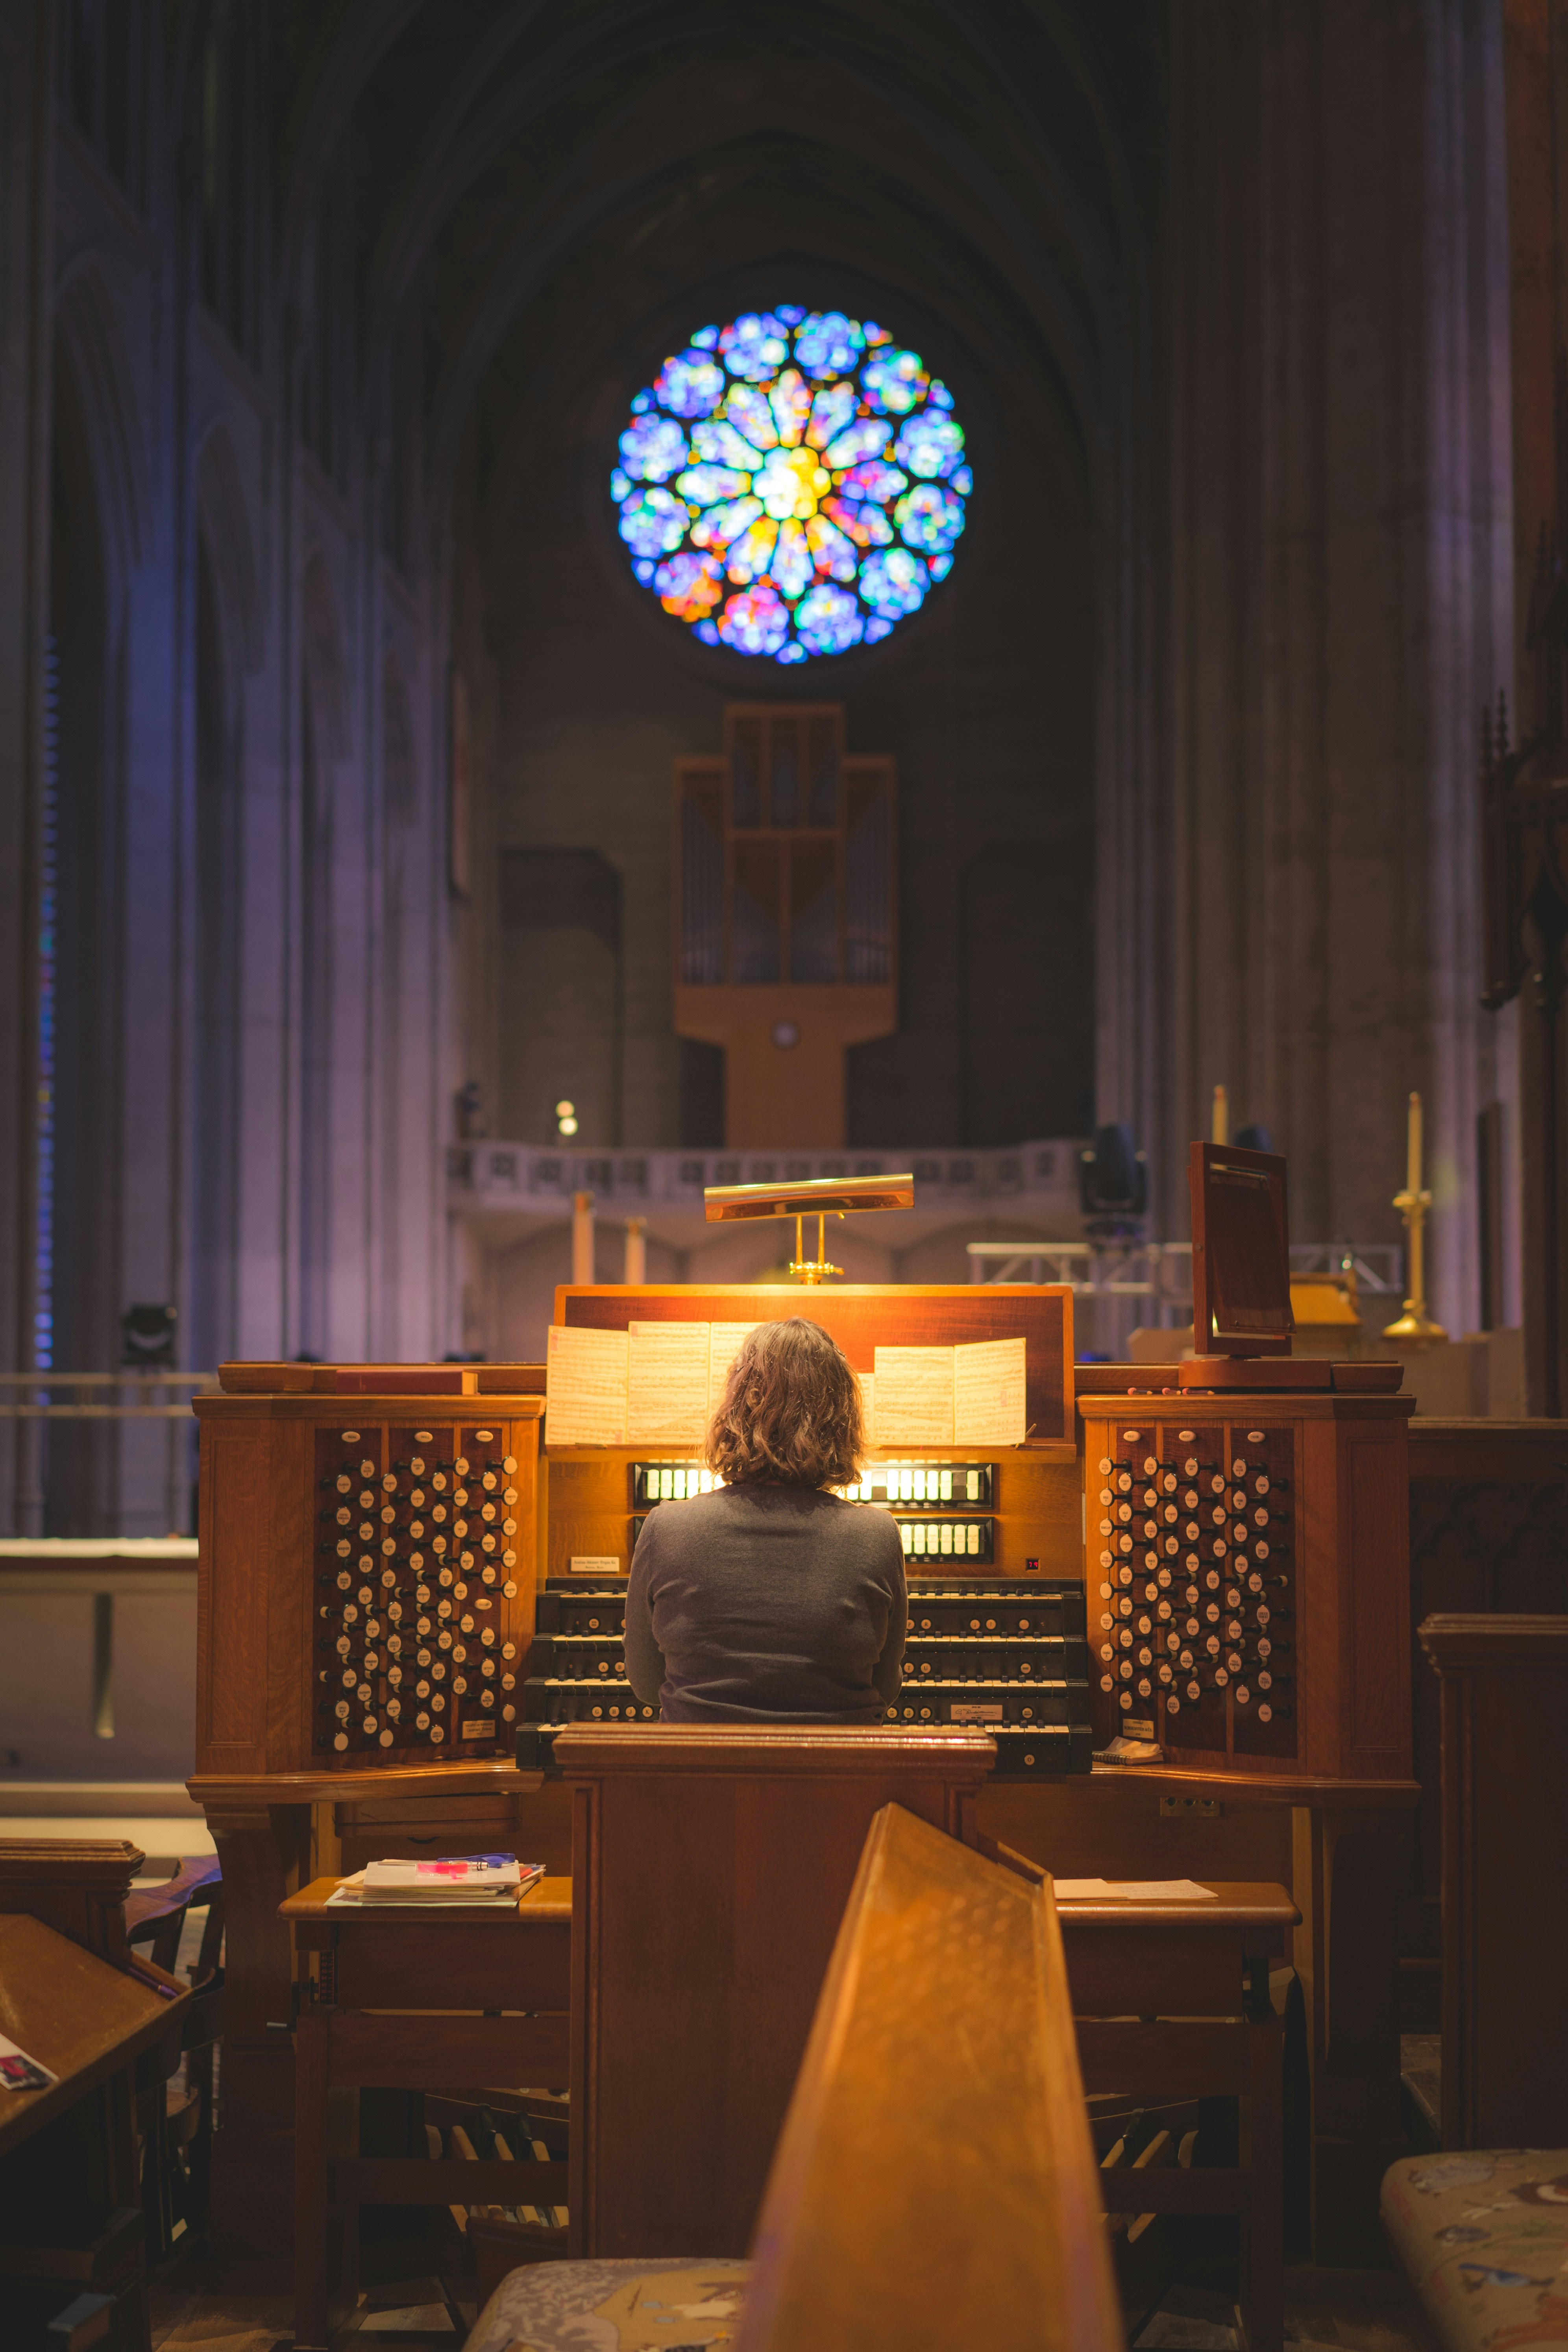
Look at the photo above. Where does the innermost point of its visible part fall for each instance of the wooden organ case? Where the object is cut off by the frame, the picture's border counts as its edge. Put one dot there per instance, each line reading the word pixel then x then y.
pixel 367 1567
pixel 1248 1580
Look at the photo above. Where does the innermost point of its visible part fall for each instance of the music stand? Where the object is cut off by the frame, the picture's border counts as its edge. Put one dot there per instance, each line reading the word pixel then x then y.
pixel 1242 1322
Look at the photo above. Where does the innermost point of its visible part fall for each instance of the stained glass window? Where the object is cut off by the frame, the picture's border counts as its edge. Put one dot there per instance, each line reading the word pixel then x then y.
pixel 791 484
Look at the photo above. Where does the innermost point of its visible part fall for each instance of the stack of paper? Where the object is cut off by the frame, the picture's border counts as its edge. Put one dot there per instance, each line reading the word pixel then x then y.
pixel 482 1880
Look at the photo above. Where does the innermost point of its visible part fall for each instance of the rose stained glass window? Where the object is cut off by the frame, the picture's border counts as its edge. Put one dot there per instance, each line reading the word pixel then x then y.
pixel 791 484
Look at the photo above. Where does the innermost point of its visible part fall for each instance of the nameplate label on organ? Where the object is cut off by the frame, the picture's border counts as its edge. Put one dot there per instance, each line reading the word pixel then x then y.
pixel 724 1347
pixel 975 1714
pixel 914 1397
pixel 989 1385
pixel 481 1728
pixel 667 1383
pixel 597 1563
pixel 585 1387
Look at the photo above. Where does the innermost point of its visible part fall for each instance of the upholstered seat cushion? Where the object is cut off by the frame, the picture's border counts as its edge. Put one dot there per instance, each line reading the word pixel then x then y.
pixel 1483 2234
pixel 679 2305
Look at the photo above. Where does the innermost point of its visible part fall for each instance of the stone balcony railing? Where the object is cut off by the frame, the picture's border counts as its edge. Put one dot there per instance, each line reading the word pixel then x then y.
pixel 507 1191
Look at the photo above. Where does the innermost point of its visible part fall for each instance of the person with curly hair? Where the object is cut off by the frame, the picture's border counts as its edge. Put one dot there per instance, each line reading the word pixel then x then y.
pixel 771 1600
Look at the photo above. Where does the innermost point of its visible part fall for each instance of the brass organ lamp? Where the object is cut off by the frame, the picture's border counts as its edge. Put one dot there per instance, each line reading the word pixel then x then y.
pixel 822 1196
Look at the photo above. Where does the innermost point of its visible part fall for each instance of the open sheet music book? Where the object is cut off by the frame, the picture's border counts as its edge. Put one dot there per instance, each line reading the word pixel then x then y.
pixel 659 1385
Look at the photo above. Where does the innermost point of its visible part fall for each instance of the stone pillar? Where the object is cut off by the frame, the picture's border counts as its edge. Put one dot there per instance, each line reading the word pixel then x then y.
pixel 1338 602
pixel 26 237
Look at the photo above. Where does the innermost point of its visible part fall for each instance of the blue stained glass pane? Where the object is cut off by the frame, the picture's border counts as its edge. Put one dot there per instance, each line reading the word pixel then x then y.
pixel 717 441
pixel 867 437
pixel 894 582
pixel 929 518
pixel 930 443
pixel 653 522
pixel 704 486
pixel 755 622
pixel 690 384
pixel 895 382
pixel 828 621
pixel 653 448
pixel 752 411
pixel 792 485
pixel 793 566
pixel 754 346
pixel 828 344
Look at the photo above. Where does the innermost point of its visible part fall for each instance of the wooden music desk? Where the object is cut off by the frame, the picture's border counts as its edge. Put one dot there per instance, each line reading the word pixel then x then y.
pixel 1172 2000
pixel 417 2001
pixel 72 2228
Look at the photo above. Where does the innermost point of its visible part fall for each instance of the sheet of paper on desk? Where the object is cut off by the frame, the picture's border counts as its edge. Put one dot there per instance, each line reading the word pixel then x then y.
pixel 724 1347
pixel 1132 1890
pixel 914 1398
pixel 989 1385
pixel 869 1406
pixel 585 1387
pixel 667 1383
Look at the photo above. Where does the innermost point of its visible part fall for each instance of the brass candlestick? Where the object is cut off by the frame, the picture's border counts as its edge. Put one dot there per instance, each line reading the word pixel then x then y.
pixel 1413 1203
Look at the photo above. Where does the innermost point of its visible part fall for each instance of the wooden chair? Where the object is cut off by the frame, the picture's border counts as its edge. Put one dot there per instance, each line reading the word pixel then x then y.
pixel 176 2123
pixel 934 2181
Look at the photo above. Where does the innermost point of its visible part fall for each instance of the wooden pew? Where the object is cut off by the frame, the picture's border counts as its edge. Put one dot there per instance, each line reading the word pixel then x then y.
pixel 1504 1695
pixel 710 1868
pixel 935 2180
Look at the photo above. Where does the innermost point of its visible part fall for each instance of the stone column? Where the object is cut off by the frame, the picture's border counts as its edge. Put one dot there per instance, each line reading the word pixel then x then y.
pixel 1338 601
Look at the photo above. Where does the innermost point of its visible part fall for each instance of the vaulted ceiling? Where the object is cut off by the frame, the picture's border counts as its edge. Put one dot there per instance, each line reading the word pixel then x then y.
pixel 624 164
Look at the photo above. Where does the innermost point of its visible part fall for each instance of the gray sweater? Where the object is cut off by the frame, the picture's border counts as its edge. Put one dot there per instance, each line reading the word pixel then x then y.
pixel 766 1604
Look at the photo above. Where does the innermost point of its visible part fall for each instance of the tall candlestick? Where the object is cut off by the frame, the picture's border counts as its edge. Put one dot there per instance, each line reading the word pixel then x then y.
pixel 1415 1326
pixel 1220 1130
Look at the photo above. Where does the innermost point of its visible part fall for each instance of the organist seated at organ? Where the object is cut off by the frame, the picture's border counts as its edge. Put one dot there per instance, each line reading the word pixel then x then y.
pixel 771 1600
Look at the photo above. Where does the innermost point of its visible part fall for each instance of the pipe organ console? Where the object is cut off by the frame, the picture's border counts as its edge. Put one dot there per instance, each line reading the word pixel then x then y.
pixel 407 1587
